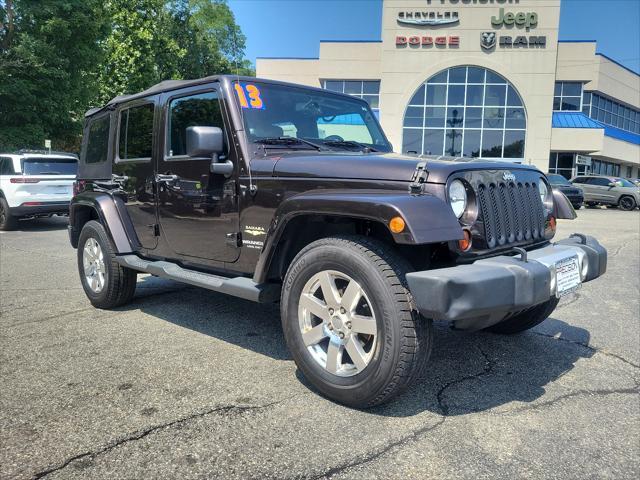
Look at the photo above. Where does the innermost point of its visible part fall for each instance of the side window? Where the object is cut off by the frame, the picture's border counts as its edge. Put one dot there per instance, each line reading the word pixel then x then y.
pixel 202 110
pixel 98 141
pixel 6 166
pixel 599 181
pixel 136 133
pixel 579 180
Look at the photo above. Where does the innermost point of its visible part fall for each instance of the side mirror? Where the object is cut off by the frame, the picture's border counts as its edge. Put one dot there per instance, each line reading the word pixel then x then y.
pixel 208 142
pixel 204 141
pixel 613 184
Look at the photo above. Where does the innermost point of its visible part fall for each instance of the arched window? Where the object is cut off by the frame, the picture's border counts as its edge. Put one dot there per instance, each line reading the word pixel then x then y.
pixel 466 112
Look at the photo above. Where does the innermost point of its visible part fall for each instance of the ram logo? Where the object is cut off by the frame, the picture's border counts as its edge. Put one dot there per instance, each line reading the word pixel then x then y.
pixel 488 40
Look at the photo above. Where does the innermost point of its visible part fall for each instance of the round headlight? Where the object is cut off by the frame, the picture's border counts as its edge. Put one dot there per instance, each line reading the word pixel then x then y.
pixel 544 190
pixel 458 197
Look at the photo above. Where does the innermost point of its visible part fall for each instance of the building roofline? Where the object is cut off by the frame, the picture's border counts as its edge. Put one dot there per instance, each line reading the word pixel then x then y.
pixel 618 63
pixel 601 54
pixel 287 58
pixel 350 41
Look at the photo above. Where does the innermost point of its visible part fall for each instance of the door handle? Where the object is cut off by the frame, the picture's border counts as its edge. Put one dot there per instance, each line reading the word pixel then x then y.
pixel 166 178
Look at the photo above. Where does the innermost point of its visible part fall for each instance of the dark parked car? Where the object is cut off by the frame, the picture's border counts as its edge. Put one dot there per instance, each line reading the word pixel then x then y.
pixel 572 192
pixel 610 191
pixel 196 181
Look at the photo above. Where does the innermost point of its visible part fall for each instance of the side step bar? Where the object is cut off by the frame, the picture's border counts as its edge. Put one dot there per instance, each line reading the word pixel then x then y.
pixel 237 286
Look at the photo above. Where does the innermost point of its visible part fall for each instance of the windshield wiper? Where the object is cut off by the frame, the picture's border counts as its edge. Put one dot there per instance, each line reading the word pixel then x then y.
pixel 287 142
pixel 351 144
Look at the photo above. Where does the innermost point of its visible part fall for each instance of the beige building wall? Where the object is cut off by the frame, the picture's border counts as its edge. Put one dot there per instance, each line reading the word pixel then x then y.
pixel 579 62
pixel 530 70
pixel 302 71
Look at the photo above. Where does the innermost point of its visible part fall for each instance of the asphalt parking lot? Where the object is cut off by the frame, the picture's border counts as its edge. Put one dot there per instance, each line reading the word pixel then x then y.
pixel 185 383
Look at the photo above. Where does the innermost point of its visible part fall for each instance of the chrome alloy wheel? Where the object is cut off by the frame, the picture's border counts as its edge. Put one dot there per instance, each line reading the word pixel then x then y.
pixel 93 263
pixel 337 323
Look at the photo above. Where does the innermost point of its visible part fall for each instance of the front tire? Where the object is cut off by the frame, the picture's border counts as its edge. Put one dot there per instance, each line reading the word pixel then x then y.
pixel 627 203
pixel 106 283
pixel 7 221
pixel 350 322
pixel 526 320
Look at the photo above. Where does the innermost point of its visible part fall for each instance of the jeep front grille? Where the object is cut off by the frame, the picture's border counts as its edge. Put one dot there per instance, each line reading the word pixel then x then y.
pixel 510 213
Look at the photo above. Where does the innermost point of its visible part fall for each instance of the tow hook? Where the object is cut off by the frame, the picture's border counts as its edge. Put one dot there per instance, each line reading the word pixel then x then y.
pixel 582 237
pixel 522 252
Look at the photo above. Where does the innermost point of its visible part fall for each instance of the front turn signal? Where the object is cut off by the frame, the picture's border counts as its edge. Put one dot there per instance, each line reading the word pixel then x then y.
pixel 552 224
pixel 396 225
pixel 465 243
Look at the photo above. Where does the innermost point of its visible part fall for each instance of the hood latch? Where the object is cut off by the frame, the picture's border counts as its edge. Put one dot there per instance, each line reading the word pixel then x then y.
pixel 418 179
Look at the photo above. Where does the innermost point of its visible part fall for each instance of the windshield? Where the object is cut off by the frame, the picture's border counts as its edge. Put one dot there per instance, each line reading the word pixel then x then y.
pixel 49 166
pixel 317 119
pixel 558 180
pixel 623 182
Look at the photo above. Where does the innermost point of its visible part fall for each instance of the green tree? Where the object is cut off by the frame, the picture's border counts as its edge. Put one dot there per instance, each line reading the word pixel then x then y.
pixel 59 57
pixel 48 53
pixel 140 50
pixel 213 42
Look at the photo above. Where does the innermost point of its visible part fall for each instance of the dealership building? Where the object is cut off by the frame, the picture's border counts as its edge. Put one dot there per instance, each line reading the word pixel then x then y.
pixel 487 79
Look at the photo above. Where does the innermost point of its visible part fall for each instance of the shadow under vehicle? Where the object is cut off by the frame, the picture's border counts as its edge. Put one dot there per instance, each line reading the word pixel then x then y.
pixel 274 192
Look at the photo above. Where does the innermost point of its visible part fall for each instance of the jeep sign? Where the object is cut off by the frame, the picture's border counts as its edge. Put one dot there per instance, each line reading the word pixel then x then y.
pixel 521 19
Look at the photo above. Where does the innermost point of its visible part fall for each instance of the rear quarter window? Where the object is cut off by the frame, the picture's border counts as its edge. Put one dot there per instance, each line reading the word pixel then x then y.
pixel 98 140
pixel 6 166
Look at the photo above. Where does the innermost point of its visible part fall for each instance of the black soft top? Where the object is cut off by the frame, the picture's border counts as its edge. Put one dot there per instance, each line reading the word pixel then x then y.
pixel 161 87
pixel 168 85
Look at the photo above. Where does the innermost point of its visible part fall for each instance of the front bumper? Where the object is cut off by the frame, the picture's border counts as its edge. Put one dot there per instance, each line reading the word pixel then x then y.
pixel 483 293
pixel 576 199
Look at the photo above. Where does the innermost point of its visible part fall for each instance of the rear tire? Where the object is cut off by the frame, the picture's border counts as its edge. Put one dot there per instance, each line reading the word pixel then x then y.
pixel 526 320
pixel 627 203
pixel 106 283
pixel 7 222
pixel 392 351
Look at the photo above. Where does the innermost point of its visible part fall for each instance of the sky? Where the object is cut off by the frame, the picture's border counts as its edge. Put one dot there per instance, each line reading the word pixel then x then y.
pixel 294 28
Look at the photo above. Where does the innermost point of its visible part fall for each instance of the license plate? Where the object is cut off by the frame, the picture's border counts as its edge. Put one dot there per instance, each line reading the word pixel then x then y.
pixel 567 276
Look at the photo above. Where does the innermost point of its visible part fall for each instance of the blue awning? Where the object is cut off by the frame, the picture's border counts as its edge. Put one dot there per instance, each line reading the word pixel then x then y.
pixel 574 120
pixel 580 120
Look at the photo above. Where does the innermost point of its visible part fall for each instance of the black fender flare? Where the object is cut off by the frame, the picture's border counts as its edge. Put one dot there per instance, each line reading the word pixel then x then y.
pixel 562 207
pixel 112 213
pixel 428 219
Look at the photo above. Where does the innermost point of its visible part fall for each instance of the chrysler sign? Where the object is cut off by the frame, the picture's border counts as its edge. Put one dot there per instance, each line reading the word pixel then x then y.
pixel 431 19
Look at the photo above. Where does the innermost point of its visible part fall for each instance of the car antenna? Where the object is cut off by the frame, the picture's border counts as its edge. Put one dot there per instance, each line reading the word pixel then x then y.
pixel 253 188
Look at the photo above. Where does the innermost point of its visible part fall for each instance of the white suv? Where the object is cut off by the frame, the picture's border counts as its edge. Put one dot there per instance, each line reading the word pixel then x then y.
pixel 35 184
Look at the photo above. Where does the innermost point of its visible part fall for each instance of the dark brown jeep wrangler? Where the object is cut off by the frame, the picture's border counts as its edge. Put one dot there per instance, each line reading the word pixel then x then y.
pixel 277 192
